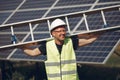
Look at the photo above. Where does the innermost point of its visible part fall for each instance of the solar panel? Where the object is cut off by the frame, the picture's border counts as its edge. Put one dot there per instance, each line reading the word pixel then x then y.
pixel 74 2
pixel 98 51
pixel 30 4
pixel 9 5
pixel 23 16
pixel 54 12
pixel 3 16
pixel 30 28
pixel 93 53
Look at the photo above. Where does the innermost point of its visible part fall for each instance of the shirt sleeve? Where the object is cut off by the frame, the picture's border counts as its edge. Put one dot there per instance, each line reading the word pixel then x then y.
pixel 75 41
pixel 42 47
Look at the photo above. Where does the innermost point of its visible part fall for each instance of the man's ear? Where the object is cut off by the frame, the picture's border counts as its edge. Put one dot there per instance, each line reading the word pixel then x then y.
pixel 53 34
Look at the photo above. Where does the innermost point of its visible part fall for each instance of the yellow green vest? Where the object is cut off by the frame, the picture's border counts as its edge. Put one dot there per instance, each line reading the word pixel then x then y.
pixel 61 66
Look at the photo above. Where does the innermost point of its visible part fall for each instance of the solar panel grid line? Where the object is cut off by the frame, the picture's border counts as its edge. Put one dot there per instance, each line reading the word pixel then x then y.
pixel 69 14
pixel 77 25
pixel 50 8
pixel 90 57
pixel 58 7
pixel 87 62
pixel 46 13
pixel 33 28
pixel 106 3
pixel 11 53
pixel 106 49
pixel 27 58
pixel 72 6
pixel 37 4
pixel 14 11
pixel 86 3
pixel 33 60
pixel 9 5
pixel 95 53
pixel 97 30
pixel 64 10
pixel 79 57
pixel 94 4
pixel 91 60
pixel 46 8
pixel 75 2
pixel 23 16
pixel 112 18
pixel 22 41
pixel 37 9
pixel 100 6
pixel 95 60
pixel 89 51
pixel 72 34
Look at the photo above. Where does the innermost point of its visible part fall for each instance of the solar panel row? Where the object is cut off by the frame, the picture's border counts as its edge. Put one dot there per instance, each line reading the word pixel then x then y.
pixel 98 52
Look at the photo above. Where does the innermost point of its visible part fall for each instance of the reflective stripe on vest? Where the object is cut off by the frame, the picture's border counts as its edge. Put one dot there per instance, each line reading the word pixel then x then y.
pixel 61 67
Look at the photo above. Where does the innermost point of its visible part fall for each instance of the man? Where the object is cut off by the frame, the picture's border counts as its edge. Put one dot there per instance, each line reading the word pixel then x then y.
pixel 61 60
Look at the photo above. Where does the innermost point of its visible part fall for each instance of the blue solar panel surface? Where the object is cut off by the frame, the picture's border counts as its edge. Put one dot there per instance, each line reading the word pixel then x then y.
pixel 98 52
pixel 100 49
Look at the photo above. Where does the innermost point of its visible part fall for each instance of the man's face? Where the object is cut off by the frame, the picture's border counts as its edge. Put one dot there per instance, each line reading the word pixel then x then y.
pixel 59 33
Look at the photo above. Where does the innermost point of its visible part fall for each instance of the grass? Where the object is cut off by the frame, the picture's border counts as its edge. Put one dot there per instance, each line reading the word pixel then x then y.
pixel 113 61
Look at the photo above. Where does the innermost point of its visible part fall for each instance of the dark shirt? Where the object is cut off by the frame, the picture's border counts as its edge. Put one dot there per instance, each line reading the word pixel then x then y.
pixel 42 47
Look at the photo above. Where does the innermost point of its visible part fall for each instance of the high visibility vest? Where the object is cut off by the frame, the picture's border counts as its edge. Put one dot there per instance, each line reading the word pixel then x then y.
pixel 61 66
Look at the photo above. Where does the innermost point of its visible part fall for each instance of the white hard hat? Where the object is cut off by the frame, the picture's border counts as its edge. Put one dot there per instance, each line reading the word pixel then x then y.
pixel 57 23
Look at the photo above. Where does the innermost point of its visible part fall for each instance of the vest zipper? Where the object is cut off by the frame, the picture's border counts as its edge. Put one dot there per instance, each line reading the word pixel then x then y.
pixel 60 68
